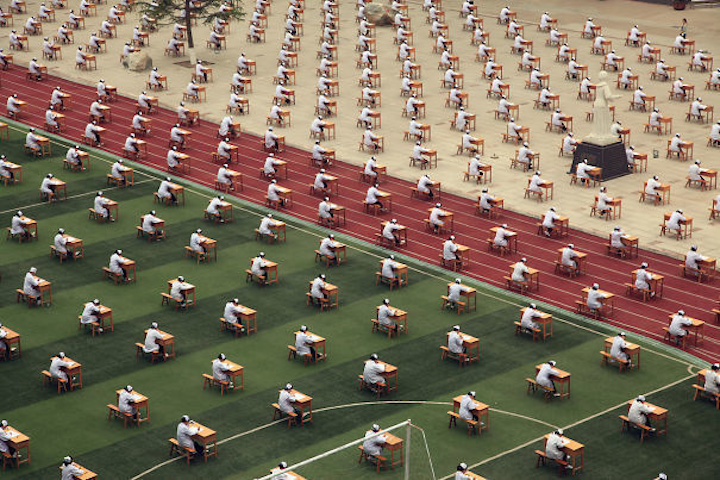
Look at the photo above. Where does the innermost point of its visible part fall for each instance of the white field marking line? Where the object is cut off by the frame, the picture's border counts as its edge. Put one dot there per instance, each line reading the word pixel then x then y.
pixel 340 407
pixel 79 195
pixel 432 275
pixel 575 424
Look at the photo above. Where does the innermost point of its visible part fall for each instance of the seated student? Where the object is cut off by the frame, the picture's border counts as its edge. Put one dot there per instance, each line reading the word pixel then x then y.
pixel 178 290
pixel 60 243
pixel 712 379
pixel 373 447
pixel 450 249
pixel 389 266
pixel 165 190
pixel 92 133
pixel 151 338
pixel 286 400
pixel 18 226
pixel 258 266
pixel 554 447
pixel 117 171
pixel 638 412
pixel 220 369
pixel 327 248
pixel 30 284
pixel 455 342
pixel 385 314
pixel 213 209
pixel 549 220
pixel 603 199
pixel 468 406
pixel 582 169
pixel 679 320
pixel 149 222
pixel 317 289
pixel 569 144
pixel 31 141
pixel 372 196
pixel 4 169
pixel 116 264
pixel 57 364
pixel 232 313
pixel 389 231
pixel 372 371
pixel 595 298
pixel 126 402
pixel 266 225
pixel 568 257
pixel 544 376
pixel 100 206
pixel 643 278
pixel 501 236
pixel 455 290
pixel 271 139
pixel 676 218
pixel 304 343
pixel 425 185
pixel 520 272
pixel 462 469
pixel 526 321
pixel 475 166
pixel 5 437
pixel 91 312
pixel 617 350
pixel 536 182
pixel 4 353
pixel 526 155
pixel 196 240
pixel 435 214
pixel 69 470
pixel 692 258
pixel 186 429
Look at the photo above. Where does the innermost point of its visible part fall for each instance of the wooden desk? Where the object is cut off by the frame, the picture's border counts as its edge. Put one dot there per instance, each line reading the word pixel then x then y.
pixel 235 371
pixel 706 268
pixel 167 342
pixel 178 191
pixel 74 245
pixel 129 266
pixel 549 188
pixel 12 338
pixel 226 211
pixel 331 292
pixel 471 344
pixel 286 194
pixel 608 301
pixel 562 378
pixel 686 226
pixel 210 245
pixel 659 415
pixel 89 474
pixel 544 319
pixel 44 286
pixel 401 270
pixel 399 317
pixel 207 437
pixel 106 314
pixel 318 344
pixel 31 227
pixel 512 238
pixel 304 404
pixel 470 119
pixel 532 278
pixel 632 350
pixel 470 295
pixel 19 441
pixel 188 292
pixel 271 271
pixel 697 327
pixel 657 282
pixel 74 370
pixel 393 444
pixel 575 450
pixel 140 401
pixel 60 189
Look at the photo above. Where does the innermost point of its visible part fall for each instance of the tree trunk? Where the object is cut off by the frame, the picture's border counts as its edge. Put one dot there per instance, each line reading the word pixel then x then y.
pixel 188 25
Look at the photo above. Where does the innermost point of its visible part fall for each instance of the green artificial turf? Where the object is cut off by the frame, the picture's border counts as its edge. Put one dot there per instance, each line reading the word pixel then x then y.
pixel 75 423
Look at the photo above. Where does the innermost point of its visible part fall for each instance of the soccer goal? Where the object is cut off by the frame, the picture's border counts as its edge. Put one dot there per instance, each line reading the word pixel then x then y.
pixel 405 456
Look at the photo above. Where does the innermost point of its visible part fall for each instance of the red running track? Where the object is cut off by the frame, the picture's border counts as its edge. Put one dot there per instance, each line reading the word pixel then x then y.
pixel 630 314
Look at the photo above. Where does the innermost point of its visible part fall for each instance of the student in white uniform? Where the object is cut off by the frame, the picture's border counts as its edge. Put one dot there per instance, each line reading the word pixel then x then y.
pixel 232 313
pixel 385 314
pixel 531 313
pixel 47 187
pixel 425 186
pixel 213 208
pixel 677 323
pixel 638 412
pixel 554 447
pixel 520 272
pixel 126 401
pixel 455 291
pixel 5 436
pixel 501 236
pixel 304 343
pixel 692 257
pixel 151 341
pixel 328 246
pixel 30 284
pixel 549 220
pixel 544 376
pixel 60 243
pixel 617 350
pixel 116 264
pixel 389 231
pixel 18 225
pixel 165 190
pixel 712 379
pixel 569 144
pixel 185 431
pixel 100 206
pixel 536 182
pixel 196 240
pixel 568 257
pixel 91 312
pixel 373 370
pixel 220 369
pixel 695 172
pixel 595 298
pixel 4 353
pixel 676 218
pixel 69 471
pixel 388 267
pixel 462 470
pixel 435 217
pixel 258 266
pixel 374 443
pixel 468 406
pixel 603 200
pixel 178 290
pixel 643 278
pixel 57 364
pixel 286 400
pixel 582 170
pixel 317 289
pixel 149 222
pixel 450 249
pixel 372 196
pixel 652 185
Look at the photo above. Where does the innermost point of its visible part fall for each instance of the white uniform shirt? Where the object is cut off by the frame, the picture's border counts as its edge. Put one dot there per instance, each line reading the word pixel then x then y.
pixel 285 401
pixel 500 237
pixel 372 371
pixel 372 195
pixel 60 243
pixel 326 247
pixel 374 446
pixel 151 337
pixel 384 314
pixel 90 313
pixel 318 285
pixel 388 268
pixel 125 402
pixel 212 207
pixel 302 340
pixel 544 375
pixel 71 472
pixel 519 271
pixel 176 289
pixel 616 350
pixel 677 324
pixel 712 381
pixel 17 225
pixel 265 225
pixel 56 366
pixel 638 411
pixel 651 185
pixel 455 290
pixel 449 250
pixel 30 284
pixel 435 215
pixel 272 194
pixel 595 298
pixel 467 405
pixel 674 221
pixel 554 446
pixel 116 262
pixel 184 435
pixel 220 369
pixel 550 219
pixel 196 242
pixel 528 316
pixel 692 258
pixel 455 345
pixel 388 230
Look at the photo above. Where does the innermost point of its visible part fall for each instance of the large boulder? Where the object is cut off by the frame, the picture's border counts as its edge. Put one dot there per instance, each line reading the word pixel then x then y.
pixel 378 14
pixel 138 62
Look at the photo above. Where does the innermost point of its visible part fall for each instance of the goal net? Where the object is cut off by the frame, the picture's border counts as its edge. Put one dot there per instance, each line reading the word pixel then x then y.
pixel 406 456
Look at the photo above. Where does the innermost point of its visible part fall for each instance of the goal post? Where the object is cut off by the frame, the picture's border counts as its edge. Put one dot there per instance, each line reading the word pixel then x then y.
pixel 342 461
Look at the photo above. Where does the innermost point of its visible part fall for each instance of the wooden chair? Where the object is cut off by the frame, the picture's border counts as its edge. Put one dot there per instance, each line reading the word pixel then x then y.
pixel 48 379
pixel 625 423
pixel 606 358
pixel 209 380
pixel 292 417
pixel 378 460
pixel 185 452
pixel 114 412
pixel 700 392
pixel 472 425
pixel 534 332
pixel 542 460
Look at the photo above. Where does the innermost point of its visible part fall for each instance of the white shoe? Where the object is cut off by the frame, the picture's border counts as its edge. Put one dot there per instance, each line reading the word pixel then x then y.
pixel 100 330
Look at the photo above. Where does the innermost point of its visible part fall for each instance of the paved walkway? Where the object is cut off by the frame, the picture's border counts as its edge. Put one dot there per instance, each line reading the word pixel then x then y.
pixel 660 22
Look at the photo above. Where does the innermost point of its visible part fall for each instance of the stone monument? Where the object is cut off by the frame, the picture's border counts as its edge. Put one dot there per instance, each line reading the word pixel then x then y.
pixel 601 147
